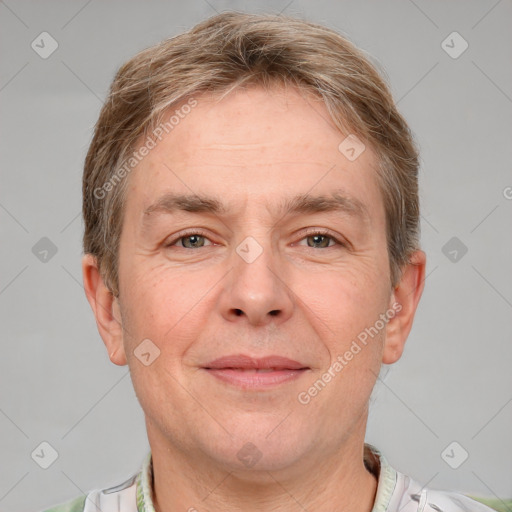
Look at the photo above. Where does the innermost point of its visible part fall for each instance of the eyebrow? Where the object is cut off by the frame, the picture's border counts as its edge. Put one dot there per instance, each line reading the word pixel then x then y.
pixel 300 204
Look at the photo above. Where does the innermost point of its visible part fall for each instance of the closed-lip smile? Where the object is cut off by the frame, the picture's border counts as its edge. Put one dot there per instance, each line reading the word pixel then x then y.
pixel 255 373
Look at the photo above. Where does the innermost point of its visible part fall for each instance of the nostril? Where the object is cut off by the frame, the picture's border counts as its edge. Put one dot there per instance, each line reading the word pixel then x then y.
pixel 238 312
pixel 274 312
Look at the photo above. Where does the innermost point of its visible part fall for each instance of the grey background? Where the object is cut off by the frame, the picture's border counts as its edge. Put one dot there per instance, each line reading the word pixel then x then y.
pixel 454 381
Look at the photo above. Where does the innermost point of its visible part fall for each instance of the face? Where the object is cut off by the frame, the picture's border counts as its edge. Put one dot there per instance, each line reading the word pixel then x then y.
pixel 253 255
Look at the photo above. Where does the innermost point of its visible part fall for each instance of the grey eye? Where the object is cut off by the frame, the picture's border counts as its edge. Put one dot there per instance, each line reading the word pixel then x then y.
pixel 195 241
pixel 319 240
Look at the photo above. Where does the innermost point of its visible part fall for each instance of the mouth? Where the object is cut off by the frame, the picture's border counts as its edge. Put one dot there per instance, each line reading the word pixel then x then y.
pixel 255 373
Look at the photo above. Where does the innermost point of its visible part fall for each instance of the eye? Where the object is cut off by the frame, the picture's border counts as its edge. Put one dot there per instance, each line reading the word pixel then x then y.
pixel 192 240
pixel 315 239
pixel 320 239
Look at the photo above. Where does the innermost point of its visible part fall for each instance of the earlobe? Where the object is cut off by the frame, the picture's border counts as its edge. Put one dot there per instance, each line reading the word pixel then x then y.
pixel 404 300
pixel 105 308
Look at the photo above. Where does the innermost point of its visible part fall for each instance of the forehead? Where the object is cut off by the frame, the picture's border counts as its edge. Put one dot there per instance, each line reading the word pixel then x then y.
pixel 253 145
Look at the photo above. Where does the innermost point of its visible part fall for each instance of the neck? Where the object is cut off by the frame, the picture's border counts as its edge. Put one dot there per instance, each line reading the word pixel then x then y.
pixel 336 483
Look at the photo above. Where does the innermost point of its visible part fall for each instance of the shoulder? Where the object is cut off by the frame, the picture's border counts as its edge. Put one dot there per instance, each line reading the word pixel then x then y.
pixel 76 505
pixel 397 492
pixel 121 497
pixel 450 501
pixel 419 499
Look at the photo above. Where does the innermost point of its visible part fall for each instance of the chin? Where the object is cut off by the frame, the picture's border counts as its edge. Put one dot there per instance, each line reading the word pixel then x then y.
pixel 261 449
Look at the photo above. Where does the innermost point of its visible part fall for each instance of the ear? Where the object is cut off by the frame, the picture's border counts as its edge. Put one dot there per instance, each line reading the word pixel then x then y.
pixel 105 308
pixel 404 300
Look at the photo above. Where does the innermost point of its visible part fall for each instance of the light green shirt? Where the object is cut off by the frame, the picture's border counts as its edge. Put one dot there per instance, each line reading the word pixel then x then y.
pixel 395 493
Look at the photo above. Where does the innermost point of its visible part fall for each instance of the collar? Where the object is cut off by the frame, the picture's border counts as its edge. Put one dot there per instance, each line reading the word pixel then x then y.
pixel 374 462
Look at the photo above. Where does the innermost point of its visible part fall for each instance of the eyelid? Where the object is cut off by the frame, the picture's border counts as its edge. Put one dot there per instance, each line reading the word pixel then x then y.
pixel 303 234
pixel 183 234
pixel 325 232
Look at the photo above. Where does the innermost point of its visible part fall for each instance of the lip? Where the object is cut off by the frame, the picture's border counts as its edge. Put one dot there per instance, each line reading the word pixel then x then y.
pixel 243 362
pixel 255 373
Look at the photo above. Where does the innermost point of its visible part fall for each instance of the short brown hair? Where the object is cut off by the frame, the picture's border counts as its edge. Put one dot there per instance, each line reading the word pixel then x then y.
pixel 226 51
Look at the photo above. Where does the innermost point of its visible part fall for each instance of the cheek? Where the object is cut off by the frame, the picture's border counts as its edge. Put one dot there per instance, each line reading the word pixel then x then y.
pixel 344 301
pixel 165 305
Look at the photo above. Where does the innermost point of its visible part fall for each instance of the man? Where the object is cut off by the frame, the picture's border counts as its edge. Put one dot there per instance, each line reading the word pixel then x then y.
pixel 252 253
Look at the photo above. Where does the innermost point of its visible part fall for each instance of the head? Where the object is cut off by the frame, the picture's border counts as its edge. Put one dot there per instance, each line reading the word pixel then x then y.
pixel 252 189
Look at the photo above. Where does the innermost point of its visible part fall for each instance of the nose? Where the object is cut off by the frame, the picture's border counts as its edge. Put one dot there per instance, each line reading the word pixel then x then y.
pixel 255 291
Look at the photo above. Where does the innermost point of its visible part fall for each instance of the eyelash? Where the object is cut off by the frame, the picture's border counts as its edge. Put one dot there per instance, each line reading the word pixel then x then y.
pixel 323 232
pixel 308 233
